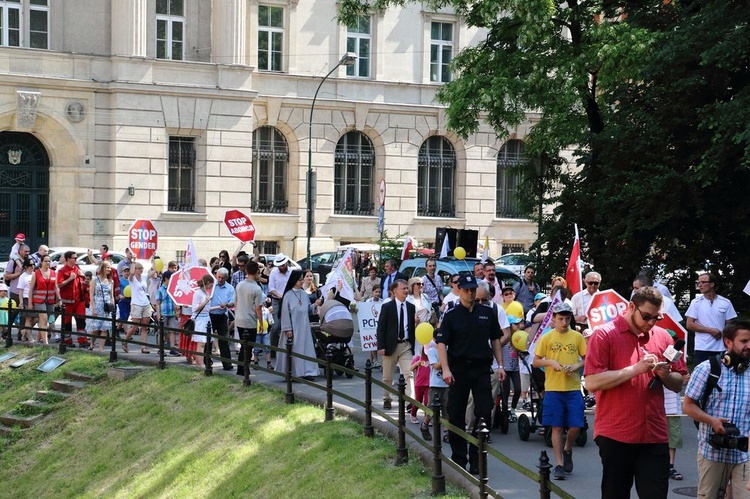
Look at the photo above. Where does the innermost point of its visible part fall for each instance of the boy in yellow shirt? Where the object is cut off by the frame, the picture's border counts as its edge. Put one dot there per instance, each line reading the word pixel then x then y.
pixel 561 351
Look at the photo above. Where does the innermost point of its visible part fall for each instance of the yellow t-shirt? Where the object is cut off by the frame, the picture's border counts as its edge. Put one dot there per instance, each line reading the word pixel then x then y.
pixel 566 348
pixel 513 308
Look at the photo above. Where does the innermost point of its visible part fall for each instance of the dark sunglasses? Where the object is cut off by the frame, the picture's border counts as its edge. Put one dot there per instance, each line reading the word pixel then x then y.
pixel 593 283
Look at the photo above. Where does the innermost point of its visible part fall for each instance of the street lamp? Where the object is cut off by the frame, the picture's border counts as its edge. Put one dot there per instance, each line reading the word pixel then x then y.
pixel 347 59
pixel 541 163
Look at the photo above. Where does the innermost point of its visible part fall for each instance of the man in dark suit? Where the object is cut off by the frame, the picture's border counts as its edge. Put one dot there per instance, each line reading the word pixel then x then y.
pixel 391 274
pixel 396 327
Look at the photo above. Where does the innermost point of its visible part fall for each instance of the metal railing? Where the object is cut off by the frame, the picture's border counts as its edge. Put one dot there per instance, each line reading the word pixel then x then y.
pixel 546 487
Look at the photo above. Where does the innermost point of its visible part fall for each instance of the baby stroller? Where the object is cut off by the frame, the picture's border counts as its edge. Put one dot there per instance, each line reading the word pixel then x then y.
pixel 337 345
pixel 528 425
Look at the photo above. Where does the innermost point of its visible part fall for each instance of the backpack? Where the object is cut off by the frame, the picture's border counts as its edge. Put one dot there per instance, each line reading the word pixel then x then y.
pixel 711 383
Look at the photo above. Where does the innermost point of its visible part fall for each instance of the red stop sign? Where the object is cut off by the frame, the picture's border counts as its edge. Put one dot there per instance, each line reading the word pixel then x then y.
pixel 142 239
pixel 604 307
pixel 240 225
pixel 184 283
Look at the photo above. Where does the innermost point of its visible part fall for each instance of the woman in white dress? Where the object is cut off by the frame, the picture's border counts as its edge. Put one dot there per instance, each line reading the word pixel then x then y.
pixel 201 299
pixel 100 294
pixel 140 307
pixel 295 324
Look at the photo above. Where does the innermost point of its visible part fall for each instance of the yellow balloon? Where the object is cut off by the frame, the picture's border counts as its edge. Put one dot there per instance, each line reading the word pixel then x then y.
pixel 519 340
pixel 159 264
pixel 424 333
pixel 126 291
pixel 459 253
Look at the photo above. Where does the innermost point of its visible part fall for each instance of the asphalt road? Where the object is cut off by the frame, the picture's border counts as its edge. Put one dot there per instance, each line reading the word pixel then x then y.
pixel 584 482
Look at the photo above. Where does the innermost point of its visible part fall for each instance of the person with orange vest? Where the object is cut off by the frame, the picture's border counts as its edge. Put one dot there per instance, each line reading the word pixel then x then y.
pixel 44 295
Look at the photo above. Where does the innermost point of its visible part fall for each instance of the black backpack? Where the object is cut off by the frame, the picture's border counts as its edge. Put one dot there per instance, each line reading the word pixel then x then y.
pixel 711 383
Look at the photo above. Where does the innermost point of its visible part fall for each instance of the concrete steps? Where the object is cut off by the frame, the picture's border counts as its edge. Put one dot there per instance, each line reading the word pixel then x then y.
pixel 10 419
pixel 67 386
pixel 72 375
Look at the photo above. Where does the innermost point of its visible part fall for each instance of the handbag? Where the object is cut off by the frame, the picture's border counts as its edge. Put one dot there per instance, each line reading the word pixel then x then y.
pixel 108 307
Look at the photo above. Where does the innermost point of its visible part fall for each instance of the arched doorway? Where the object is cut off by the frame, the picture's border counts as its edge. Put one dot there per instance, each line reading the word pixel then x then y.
pixel 24 191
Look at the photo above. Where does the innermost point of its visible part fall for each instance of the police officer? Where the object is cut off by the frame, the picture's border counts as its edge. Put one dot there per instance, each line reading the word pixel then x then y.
pixel 468 338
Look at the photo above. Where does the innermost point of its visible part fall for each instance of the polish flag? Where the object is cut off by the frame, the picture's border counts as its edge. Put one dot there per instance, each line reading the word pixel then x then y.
pixel 406 249
pixel 573 272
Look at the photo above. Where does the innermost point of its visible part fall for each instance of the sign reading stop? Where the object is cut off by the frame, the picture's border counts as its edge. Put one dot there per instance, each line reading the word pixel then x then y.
pixel 184 283
pixel 142 239
pixel 240 225
pixel 604 307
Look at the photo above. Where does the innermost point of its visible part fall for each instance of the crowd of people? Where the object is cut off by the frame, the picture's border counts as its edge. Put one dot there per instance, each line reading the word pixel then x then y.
pixel 628 363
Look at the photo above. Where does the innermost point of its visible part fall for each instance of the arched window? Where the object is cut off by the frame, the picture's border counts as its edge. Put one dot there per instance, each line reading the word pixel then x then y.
pixel 354 168
pixel 436 167
pixel 509 158
pixel 270 164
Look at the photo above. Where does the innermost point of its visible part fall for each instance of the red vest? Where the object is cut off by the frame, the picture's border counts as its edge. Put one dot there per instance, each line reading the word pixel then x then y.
pixel 44 289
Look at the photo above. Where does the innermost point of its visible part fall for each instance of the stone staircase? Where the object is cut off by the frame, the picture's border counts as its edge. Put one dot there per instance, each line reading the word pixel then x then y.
pixel 31 412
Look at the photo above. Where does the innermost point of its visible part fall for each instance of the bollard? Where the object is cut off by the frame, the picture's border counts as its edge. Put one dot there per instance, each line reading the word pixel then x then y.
pixel 207 351
pixel 483 434
pixel 544 467
pixel 162 361
pixel 402 454
pixel 246 350
pixel 62 348
pixel 289 393
pixel 329 385
pixel 438 478
pixel 113 335
pixel 369 430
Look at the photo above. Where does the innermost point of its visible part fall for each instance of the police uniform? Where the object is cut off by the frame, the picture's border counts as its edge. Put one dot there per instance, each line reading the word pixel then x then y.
pixel 467 335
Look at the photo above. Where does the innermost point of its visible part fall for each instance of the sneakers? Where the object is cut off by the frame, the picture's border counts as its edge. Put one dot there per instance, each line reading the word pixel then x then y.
pixel 567 460
pixel 526 406
pixel 413 419
pixel 387 404
pixel 425 432
pixel 174 353
pixel 558 473
pixel 376 365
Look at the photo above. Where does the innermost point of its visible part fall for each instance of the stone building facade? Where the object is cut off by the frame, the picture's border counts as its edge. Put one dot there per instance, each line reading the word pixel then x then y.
pixel 178 110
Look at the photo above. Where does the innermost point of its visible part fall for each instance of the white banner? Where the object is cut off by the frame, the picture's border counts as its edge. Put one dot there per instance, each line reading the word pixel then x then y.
pixel 367 319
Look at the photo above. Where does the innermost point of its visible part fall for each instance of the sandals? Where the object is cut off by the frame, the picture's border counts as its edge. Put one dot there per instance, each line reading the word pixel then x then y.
pixel 143 350
pixel 124 347
pixel 674 474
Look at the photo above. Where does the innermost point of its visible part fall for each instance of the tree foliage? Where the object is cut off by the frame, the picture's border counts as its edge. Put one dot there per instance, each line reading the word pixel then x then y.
pixel 653 99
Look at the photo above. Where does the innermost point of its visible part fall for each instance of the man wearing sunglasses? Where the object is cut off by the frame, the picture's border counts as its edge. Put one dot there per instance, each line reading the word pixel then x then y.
pixel 707 315
pixel 582 299
pixel 626 368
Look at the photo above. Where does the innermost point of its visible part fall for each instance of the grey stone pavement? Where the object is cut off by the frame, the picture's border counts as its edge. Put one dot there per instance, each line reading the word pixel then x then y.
pixel 584 482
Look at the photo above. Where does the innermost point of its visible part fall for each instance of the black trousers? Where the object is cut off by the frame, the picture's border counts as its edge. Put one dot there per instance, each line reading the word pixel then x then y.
pixel 475 378
pixel 275 330
pixel 220 327
pixel 648 464
pixel 246 334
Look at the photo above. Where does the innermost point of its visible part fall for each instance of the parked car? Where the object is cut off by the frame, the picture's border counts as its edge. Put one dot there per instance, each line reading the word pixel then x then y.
pixel 321 263
pixel 515 262
pixel 415 267
pixel 55 254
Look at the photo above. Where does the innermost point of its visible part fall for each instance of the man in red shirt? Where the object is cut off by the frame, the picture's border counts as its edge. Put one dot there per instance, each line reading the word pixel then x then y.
pixel 626 368
pixel 70 280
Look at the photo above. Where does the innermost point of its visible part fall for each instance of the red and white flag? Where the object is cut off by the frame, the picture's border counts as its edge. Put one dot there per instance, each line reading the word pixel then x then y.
pixel 406 249
pixel 573 272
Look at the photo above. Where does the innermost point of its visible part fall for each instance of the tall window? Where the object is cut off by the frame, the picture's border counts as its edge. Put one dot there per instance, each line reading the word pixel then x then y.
pixel 13 27
pixel 181 174
pixel 170 29
pixel 436 164
pixel 270 37
pixel 270 163
pixel 509 159
pixel 354 168
pixel 358 39
pixel 441 51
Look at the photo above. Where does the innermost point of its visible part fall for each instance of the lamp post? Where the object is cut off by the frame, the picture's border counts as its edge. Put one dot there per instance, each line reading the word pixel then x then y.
pixel 541 163
pixel 346 60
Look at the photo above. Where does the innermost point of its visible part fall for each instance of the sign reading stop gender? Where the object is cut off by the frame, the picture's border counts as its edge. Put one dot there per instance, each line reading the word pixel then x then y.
pixel 184 283
pixel 604 307
pixel 143 239
pixel 240 225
